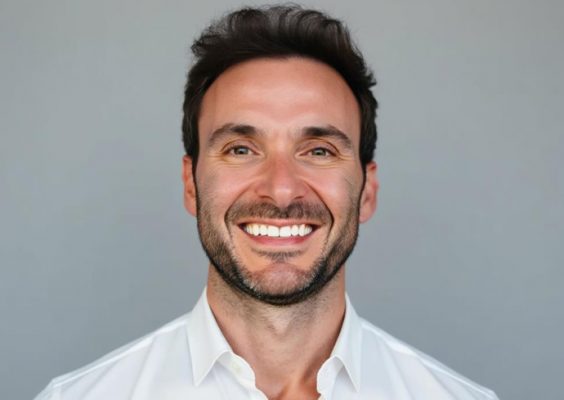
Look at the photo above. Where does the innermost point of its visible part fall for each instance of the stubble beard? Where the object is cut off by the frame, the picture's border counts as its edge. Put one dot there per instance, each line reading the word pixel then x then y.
pixel 302 285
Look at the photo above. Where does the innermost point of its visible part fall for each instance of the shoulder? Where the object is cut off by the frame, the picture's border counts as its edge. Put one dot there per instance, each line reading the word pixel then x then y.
pixel 408 370
pixel 120 370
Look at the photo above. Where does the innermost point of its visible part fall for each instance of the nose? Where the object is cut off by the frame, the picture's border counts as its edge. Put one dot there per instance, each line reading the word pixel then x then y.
pixel 280 182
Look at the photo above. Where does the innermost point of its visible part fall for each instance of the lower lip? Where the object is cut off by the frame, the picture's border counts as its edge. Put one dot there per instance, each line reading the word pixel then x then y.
pixel 279 241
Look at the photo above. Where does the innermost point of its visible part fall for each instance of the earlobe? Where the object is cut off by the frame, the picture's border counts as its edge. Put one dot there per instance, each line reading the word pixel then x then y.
pixel 189 186
pixel 369 196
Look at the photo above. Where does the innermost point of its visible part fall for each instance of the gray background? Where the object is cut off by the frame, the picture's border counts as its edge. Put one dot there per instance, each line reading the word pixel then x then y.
pixel 462 260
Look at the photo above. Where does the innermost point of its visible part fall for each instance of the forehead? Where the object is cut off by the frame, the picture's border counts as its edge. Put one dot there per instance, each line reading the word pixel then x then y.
pixel 280 95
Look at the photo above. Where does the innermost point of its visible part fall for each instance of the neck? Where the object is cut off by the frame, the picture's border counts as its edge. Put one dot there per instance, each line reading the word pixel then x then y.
pixel 285 345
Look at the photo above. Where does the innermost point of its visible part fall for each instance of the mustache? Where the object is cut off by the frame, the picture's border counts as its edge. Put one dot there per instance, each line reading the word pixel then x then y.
pixel 296 210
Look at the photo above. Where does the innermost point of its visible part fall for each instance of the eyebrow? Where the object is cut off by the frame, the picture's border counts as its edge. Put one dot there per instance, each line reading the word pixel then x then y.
pixel 231 129
pixel 328 131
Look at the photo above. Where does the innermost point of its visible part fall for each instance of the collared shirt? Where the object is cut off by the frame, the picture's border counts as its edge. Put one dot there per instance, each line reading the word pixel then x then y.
pixel 190 359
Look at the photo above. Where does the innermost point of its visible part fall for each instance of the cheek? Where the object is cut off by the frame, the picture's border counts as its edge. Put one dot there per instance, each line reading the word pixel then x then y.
pixel 218 189
pixel 339 190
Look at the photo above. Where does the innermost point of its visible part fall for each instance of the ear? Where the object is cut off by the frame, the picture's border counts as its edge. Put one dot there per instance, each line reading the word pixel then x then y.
pixel 189 186
pixel 369 195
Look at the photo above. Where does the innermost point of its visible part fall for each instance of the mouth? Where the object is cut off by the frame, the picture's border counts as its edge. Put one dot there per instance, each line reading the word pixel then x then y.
pixel 279 230
pixel 284 231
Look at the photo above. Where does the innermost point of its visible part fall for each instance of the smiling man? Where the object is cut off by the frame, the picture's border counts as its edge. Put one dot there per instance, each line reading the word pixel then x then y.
pixel 279 134
pixel 278 186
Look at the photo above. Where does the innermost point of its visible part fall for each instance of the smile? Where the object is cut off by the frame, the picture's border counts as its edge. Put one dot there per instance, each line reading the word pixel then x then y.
pixel 278 231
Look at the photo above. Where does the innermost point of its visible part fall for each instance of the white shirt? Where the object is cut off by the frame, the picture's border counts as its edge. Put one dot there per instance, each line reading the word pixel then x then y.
pixel 190 359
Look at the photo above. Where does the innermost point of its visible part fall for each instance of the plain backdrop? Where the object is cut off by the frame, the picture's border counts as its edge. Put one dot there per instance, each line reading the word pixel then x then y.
pixel 463 258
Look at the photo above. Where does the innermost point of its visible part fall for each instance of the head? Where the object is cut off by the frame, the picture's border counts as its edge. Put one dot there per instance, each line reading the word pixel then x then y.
pixel 277 32
pixel 279 135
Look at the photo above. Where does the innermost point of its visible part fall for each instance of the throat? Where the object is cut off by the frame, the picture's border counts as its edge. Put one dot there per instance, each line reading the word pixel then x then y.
pixel 284 345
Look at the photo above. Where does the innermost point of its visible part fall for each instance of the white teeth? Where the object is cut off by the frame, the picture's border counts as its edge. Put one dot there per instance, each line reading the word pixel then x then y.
pixel 295 230
pixel 275 231
pixel 286 231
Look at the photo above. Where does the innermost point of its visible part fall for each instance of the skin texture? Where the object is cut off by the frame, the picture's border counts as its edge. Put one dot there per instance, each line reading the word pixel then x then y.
pixel 265 157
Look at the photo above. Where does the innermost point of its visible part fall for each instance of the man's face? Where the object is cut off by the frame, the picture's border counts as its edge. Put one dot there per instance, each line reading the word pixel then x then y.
pixel 278 188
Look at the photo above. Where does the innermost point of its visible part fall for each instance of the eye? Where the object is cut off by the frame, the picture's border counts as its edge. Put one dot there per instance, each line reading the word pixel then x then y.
pixel 321 152
pixel 239 151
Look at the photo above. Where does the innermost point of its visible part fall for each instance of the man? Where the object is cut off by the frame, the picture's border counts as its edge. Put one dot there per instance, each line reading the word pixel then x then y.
pixel 279 134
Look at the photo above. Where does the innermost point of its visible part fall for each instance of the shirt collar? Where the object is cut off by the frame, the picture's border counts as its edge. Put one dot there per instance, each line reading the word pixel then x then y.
pixel 207 343
pixel 348 348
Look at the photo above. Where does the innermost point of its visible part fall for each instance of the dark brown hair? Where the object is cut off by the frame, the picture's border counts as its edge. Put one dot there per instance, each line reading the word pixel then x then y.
pixel 277 31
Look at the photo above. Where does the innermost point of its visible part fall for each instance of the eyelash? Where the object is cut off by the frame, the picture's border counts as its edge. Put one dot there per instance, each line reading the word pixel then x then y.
pixel 329 152
pixel 231 150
